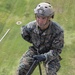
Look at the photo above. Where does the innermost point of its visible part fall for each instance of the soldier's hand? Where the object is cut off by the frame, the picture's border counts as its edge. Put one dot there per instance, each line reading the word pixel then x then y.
pixel 39 58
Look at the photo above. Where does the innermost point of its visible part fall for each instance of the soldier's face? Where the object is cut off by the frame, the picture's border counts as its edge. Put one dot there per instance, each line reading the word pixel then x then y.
pixel 42 21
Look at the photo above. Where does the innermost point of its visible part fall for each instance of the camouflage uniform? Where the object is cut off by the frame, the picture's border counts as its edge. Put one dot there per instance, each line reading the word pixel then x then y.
pixel 48 42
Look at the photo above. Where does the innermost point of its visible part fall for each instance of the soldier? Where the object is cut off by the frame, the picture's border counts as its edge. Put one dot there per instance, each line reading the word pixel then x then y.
pixel 47 39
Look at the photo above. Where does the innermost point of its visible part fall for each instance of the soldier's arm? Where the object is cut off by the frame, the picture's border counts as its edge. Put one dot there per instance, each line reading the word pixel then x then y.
pixel 25 32
pixel 56 48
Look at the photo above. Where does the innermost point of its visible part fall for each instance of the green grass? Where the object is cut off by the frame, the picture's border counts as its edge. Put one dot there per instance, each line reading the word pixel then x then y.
pixel 13 46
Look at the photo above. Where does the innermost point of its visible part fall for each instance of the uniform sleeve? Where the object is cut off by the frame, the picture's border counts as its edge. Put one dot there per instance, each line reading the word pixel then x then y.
pixel 25 32
pixel 56 48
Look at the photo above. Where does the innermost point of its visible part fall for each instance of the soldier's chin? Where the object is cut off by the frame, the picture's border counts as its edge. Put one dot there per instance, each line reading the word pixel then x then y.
pixel 41 27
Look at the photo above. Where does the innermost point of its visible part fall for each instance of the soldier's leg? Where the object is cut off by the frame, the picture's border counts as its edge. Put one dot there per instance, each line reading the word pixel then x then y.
pixel 26 62
pixel 52 67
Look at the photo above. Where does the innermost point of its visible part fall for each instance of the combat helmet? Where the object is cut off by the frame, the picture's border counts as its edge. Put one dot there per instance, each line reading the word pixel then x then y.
pixel 44 9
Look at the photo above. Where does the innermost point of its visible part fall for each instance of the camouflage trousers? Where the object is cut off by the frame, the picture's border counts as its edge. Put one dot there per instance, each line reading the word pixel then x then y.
pixel 26 61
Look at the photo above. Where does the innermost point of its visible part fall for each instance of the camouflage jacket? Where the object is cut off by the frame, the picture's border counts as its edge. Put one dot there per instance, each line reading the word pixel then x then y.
pixel 48 42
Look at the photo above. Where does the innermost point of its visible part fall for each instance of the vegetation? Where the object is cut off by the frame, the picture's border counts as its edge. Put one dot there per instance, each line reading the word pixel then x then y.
pixel 13 46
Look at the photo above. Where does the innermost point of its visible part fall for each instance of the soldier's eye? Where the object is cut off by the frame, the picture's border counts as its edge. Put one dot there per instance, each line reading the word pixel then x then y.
pixel 43 17
pixel 38 17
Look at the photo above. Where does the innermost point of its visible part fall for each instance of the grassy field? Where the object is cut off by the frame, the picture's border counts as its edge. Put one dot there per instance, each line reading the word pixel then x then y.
pixel 13 46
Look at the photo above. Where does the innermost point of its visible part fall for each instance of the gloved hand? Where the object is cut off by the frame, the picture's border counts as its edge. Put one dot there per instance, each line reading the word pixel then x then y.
pixel 39 57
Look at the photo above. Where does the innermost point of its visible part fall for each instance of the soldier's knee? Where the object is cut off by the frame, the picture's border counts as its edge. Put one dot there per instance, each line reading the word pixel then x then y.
pixel 22 70
pixel 51 72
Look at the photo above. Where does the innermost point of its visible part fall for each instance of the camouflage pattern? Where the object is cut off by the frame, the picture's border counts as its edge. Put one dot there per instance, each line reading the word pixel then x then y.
pixel 26 62
pixel 51 67
pixel 48 42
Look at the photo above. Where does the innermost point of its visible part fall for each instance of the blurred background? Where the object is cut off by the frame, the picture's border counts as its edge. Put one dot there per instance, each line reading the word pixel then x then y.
pixel 16 13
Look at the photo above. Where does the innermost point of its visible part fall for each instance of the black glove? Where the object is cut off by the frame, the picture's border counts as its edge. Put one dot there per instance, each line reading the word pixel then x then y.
pixel 39 57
